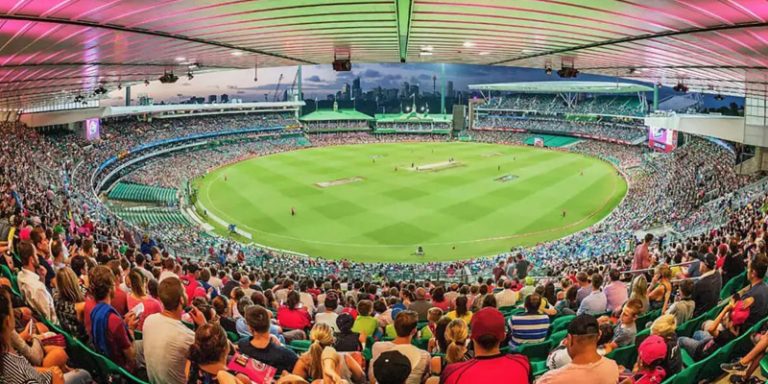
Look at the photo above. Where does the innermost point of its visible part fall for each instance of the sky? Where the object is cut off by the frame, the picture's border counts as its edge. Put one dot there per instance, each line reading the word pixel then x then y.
pixel 321 80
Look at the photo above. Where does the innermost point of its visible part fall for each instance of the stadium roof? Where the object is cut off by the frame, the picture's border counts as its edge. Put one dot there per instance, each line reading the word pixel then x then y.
pixel 564 87
pixel 54 48
pixel 339 115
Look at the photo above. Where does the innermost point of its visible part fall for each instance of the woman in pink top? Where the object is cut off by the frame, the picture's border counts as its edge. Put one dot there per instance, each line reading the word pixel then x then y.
pixel 292 315
pixel 138 285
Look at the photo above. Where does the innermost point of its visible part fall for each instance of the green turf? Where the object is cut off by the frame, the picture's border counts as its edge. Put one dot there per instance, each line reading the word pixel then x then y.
pixel 454 213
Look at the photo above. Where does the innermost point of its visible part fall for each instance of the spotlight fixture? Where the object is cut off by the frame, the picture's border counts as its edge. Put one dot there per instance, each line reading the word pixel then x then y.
pixel 146 82
pixel 119 86
pixel 631 70
pixel 548 69
pixel 100 91
pixel 659 85
pixel 680 87
pixel 190 76
pixel 567 68
pixel 168 78
pixel 719 97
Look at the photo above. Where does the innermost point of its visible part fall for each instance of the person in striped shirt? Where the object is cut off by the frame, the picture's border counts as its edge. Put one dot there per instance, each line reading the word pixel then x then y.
pixel 531 326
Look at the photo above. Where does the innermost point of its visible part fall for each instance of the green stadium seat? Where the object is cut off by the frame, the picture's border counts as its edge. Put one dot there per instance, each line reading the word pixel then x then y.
pixel 535 351
pixel 561 323
pixel 6 272
pixel 733 285
pixel 649 316
pixel 626 355
pixel 233 337
pixel 557 337
pixel 539 368
pixel 300 346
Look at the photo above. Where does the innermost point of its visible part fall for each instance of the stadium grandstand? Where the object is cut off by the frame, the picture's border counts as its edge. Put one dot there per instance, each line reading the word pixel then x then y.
pixel 543 232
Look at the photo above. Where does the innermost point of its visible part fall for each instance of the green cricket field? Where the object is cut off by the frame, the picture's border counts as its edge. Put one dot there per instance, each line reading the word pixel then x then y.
pixel 379 202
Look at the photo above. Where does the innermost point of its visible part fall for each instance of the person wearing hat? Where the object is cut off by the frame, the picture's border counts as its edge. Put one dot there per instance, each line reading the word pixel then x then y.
pixel 405 328
pixel 489 365
pixel 706 290
pixel 587 365
pixel 346 340
pixel 726 327
pixel 392 367
pixel 650 359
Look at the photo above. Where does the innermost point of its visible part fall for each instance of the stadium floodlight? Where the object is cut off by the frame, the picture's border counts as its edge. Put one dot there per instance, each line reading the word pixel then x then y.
pixel 119 86
pixel 548 68
pixel 237 53
pixel 146 82
pixel 180 59
pixel 719 97
pixel 680 87
pixel 631 70
pixel 190 76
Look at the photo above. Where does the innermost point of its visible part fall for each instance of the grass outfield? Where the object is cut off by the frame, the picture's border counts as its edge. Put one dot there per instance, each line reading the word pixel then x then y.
pixel 351 202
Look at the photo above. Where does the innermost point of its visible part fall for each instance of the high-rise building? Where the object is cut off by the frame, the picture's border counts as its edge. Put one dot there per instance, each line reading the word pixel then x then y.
pixel 406 90
pixel 211 99
pixel 415 90
pixel 449 91
pixel 346 92
pixel 357 91
pixel 224 98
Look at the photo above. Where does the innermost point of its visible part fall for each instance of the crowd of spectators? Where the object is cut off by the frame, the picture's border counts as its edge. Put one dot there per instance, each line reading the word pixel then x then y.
pixel 78 267
pixel 599 130
pixel 341 125
pixel 551 104
pixel 414 126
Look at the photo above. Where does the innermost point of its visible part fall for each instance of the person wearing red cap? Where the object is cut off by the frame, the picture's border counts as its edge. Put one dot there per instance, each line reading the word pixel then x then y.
pixel 726 327
pixel 489 365
pixel 586 366
pixel 650 356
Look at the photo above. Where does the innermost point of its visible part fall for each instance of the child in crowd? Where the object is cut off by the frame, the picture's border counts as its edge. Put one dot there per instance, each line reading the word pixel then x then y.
pixel 365 323
pixel 626 329
pixel 650 358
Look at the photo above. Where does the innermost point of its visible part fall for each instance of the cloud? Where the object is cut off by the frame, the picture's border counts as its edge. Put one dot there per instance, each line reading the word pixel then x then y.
pixel 371 73
pixel 424 76
pixel 314 79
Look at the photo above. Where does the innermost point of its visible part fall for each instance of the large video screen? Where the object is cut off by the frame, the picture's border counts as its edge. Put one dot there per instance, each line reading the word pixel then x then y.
pixel 92 129
pixel 662 139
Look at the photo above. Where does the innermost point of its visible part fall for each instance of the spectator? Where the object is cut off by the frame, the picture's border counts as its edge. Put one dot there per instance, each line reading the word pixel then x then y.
pixel 166 338
pixel 310 365
pixel 661 289
pixel 346 340
pixel 626 329
pixel 704 343
pixel 568 305
pixel 616 291
pixel 756 296
pixel 640 292
pixel 461 311
pixel 420 305
pixel 262 346
pixel 522 267
pixel 426 332
pixel 650 361
pixel 743 368
pixel 43 252
pixel 208 357
pixel 15 368
pixel 293 316
pixel 507 297
pixel 489 365
pixel 329 315
pixel 392 367
pixel 706 290
pixel 642 258
pixel 587 366
pixel 596 302
pixel 110 335
pixel 531 326
pixel 683 308
pixel 585 288
pixel 405 326
pixel 70 303
pixel 139 297
pixel 32 288
pixel 365 324
pixel 439 300
pixel 664 326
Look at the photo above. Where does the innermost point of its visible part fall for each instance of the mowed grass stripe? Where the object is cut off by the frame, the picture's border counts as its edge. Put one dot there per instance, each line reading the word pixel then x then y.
pixel 391 212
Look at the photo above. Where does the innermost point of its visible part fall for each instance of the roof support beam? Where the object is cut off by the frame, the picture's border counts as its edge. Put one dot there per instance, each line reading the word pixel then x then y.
pixel 404 11
pixel 722 27
pixel 120 28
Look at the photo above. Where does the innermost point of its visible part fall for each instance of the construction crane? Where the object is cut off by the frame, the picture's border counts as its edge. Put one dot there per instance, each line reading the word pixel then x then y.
pixel 277 87
pixel 292 89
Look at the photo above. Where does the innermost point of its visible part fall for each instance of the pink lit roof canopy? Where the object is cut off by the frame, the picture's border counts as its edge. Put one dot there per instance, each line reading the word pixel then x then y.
pixel 51 48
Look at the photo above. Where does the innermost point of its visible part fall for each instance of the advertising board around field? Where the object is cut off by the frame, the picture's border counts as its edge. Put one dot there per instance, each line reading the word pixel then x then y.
pixel 662 139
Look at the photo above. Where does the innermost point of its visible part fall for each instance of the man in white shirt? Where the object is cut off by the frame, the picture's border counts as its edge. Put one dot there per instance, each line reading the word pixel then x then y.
pixel 166 339
pixel 31 284
pixel 168 270
pixel 405 326
pixel 329 316
pixel 507 297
